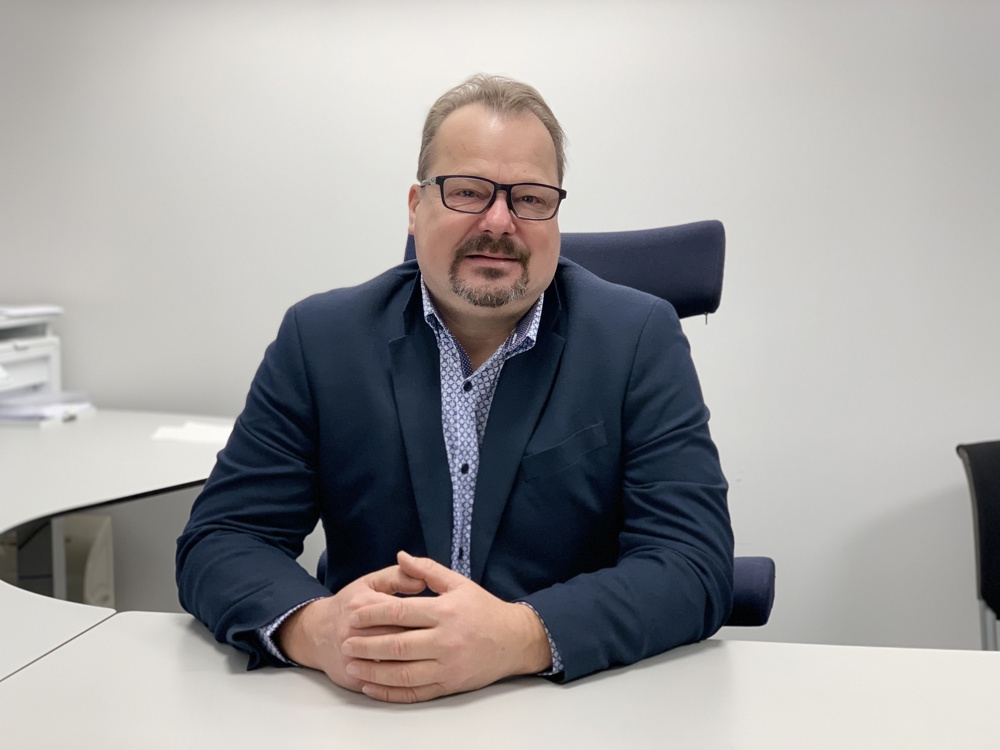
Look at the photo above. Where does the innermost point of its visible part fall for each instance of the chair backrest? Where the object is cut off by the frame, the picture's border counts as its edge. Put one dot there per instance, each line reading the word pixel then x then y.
pixel 681 264
pixel 982 467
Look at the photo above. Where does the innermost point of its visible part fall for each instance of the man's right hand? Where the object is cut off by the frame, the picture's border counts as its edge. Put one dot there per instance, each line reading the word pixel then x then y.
pixel 313 635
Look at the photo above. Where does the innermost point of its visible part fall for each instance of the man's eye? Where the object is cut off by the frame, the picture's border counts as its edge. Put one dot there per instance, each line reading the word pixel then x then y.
pixel 531 200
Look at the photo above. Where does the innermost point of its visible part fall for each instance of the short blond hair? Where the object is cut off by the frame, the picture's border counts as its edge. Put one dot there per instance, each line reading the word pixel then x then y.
pixel 501 95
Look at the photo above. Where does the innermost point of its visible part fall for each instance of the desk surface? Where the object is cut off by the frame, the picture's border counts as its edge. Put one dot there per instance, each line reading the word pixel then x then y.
pixel 32 625
pixel 106 457
pixel 147 680
pixel 159 680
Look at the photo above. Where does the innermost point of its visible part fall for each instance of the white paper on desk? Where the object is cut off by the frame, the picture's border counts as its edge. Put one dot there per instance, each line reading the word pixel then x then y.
pixel 195 432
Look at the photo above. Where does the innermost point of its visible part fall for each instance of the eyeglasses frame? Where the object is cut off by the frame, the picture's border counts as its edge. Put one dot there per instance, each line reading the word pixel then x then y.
pixel 497 187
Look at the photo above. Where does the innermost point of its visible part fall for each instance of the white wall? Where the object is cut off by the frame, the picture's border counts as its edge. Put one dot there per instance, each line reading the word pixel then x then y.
pixel 177 173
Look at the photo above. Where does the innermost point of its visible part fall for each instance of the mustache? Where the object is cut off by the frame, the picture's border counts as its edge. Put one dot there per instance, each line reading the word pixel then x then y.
pixel 485 244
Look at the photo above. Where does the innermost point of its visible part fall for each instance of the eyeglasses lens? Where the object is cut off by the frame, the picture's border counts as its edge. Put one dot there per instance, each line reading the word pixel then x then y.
pixel 471 195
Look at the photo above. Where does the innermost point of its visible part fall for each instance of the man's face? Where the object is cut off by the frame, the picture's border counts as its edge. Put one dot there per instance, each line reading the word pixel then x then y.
pixel 489 265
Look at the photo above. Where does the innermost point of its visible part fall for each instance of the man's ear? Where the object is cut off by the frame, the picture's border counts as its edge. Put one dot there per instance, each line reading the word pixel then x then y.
pixel 413 200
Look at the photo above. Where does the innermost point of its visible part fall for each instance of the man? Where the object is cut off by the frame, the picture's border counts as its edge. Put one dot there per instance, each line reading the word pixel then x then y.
pixel 490 426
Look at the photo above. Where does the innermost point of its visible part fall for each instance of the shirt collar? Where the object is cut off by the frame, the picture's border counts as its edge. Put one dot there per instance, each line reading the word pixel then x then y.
pixel 524 334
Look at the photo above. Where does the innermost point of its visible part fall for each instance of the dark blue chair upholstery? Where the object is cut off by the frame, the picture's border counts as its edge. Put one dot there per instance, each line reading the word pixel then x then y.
pixel 753 591
pixel 683 265
pixel 982 467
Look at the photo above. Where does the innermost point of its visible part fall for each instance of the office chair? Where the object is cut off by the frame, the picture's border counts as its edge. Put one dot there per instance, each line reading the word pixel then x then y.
pixel 982 467
pixel 683 265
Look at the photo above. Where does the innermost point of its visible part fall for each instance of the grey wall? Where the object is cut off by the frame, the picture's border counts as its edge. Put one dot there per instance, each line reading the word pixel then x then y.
pixel 177 173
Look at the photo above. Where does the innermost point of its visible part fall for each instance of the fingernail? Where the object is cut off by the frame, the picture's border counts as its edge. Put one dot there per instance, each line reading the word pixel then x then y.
pixel 346 649
pixel 353 669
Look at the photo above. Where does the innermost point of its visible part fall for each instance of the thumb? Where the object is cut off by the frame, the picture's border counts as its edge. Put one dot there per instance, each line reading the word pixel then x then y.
pixel 438 578
pixel 394 580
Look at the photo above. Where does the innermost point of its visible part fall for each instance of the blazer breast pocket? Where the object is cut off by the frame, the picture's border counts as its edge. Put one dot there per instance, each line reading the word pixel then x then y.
pixel 564 454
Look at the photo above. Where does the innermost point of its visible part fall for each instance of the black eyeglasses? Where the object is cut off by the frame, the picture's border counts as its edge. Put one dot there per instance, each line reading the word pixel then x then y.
pixel 474 195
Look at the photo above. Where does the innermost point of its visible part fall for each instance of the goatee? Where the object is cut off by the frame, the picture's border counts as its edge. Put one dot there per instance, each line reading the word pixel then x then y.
pixel 488 294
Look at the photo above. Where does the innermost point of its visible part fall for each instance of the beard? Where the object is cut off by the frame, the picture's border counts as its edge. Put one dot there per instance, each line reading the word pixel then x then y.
pixel 488 293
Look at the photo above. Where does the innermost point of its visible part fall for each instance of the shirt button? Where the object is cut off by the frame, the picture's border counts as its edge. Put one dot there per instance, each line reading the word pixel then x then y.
pixel 465 469
pixel 467 387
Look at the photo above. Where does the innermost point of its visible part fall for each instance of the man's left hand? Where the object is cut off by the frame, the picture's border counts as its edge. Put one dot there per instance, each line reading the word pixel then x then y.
pixel 463 639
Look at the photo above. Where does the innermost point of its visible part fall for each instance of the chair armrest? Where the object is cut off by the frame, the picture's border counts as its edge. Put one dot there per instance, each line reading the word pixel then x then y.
pixel 753 591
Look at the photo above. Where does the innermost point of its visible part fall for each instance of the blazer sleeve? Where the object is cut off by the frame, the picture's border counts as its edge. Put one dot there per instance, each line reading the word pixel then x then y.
pixel 672 582
pixel 236 567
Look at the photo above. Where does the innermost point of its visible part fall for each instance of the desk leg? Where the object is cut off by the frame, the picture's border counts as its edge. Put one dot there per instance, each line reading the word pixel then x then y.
pixel 988 624
pixel 58 529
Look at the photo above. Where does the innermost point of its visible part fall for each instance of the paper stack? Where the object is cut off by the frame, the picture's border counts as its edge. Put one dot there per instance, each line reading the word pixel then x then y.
pixel 44 408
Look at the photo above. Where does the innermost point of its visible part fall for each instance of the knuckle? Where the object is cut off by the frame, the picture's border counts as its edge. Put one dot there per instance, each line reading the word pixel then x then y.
pixel 405 676
pixel 398 647
pixel 445 608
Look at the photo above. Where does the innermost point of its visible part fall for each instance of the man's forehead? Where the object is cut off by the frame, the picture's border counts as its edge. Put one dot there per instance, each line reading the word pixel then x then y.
pixel 475 115
pixel 466 130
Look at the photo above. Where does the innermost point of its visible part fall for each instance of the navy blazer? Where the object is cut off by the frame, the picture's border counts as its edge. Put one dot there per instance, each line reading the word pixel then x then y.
pixel 600 499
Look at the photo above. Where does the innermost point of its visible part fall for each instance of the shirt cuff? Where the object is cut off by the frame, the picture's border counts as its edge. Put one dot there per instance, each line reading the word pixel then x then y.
pixel 557 665
pixel 266 633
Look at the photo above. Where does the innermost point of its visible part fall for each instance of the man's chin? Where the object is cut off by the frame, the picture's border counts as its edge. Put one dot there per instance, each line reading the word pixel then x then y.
pixel 489 295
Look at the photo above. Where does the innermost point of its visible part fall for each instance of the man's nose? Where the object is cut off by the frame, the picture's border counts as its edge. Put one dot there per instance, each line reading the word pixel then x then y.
pixel 498 218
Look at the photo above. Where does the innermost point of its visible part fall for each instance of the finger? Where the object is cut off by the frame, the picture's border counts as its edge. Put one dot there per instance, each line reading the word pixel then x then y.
pixel 394 580
pixel 406 674
pixel 396 612
pixel 438 578
pixel 402 694
pixel 405 645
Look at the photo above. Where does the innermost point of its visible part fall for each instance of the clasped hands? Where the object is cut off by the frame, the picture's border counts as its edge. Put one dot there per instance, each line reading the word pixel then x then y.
pixel 404 649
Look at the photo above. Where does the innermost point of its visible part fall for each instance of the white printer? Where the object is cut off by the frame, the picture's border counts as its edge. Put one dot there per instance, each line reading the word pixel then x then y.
pixel 29 350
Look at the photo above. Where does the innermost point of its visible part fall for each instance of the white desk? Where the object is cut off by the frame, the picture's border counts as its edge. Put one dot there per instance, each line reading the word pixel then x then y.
pixel 159 680
pixel 32 625
pixel 103 458
pixel 74 676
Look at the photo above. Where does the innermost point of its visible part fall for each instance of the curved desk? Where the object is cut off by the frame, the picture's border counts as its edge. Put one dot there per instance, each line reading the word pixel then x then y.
pixel 145 680
pixel 106 457
pixel 140 679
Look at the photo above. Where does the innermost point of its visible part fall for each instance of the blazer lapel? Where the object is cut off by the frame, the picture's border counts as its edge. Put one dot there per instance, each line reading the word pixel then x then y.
pixel 416 384
pixel 521 394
